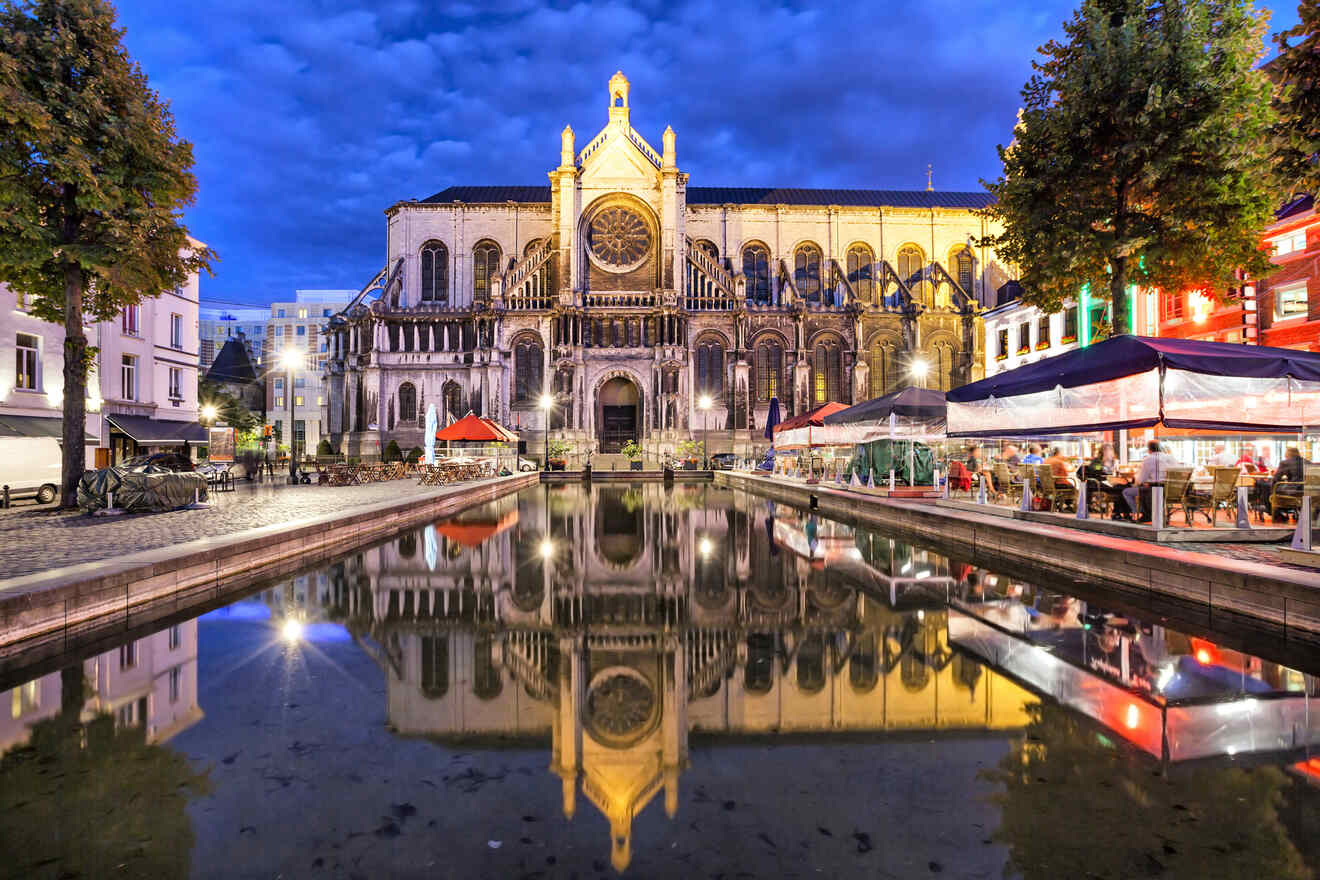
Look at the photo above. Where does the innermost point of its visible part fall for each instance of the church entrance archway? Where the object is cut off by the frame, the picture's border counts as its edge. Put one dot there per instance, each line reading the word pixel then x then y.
pixel 619 401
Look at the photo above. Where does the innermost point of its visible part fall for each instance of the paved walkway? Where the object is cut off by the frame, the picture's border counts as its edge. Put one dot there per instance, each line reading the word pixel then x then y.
pixel 35 538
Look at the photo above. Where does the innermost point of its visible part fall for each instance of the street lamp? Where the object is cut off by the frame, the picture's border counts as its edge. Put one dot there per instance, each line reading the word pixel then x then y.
pixel 920 369
pixel 209 412
pixel 292 359
pixel 704 404
pixel 546 403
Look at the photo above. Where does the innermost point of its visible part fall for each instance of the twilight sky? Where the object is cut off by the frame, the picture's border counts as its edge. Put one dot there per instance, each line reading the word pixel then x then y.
pixel 310 117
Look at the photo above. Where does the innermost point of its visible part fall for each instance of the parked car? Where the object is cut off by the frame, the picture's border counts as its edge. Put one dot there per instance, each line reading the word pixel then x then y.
pixel 30 467
pixel 723 461
pixel 526 465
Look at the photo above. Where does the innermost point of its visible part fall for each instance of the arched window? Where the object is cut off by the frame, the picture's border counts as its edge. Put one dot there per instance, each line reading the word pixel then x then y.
pixel 487 682
pixel 806 272
pixel 861 272
pixel 435 272
pixel 963 270
pixel 769 369
pixel 528 359
pixel 407 402
pixel 941 366
pixel 910 262
pixel 759 673
pixel 435 666
pixel 811 664
pixel 710 367
pixel 531 246
pixel 863 665
pixel 756 268
pixel 883 368
pixel 485 266
pixel 453 400
pixel 826 371
pixel 708 247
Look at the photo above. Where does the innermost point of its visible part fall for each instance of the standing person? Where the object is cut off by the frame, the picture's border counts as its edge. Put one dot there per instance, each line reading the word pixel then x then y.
pixel 1222 457
pixel 1033 454
pixel 1153 469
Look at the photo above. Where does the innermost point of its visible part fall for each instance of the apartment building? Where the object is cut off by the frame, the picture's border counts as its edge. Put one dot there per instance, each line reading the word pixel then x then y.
pixel 220 322
pixel 295 396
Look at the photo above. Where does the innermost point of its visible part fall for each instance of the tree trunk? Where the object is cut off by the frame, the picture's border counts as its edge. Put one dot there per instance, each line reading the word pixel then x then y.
pixel 1118 294
pixel 74 460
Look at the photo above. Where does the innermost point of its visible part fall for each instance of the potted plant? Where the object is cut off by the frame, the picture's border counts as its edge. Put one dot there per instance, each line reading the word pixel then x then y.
pixel 690 452
pixel 633 450
pixel 559 452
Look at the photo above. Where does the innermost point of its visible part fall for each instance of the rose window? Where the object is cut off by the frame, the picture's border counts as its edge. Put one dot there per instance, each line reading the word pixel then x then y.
pixel 619 238
pixel 619 702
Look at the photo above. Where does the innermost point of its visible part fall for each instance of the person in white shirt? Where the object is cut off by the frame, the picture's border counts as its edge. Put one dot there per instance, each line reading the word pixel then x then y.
pixel 1153 469
pixel 1222 457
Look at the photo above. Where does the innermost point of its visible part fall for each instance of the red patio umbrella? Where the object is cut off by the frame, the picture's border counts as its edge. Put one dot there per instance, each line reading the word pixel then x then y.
pixel 474 429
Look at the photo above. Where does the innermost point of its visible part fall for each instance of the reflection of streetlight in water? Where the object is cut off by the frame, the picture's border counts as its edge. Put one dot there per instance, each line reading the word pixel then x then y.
pixel 292 630
pixel 547 548
pixel 704 547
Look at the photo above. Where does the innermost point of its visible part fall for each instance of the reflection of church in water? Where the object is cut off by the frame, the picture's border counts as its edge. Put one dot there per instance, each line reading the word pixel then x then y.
pixel 619 619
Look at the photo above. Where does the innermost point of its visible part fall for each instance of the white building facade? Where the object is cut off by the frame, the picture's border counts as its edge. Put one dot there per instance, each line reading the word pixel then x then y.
pixel 631 297
pixel 299 327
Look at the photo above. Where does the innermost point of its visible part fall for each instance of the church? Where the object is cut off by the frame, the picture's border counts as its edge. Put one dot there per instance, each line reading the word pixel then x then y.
pixel 654 311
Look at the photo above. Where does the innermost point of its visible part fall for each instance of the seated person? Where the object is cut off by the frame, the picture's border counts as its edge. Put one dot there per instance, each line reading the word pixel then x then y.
pixel 1105 463
pixel 1287 479
pixel 1222 457
pixel 1033 454
pixel 1011 456
pixel 1153 469
pixel 1059 467
pixel 974 462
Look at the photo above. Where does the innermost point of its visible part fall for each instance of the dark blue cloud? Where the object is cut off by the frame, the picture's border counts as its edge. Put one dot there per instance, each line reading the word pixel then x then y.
pixel 310 118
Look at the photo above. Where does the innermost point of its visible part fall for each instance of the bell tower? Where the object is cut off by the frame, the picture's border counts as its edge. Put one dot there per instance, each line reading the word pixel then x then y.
pixel 619 99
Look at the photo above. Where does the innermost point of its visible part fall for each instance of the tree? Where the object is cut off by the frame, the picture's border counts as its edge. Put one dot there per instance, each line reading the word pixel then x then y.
pixel 1297 74
pixel 92 179
pixel 229 409
pixel 1140 155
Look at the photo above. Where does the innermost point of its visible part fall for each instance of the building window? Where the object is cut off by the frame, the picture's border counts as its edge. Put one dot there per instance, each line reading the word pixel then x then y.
pixel 407 402
pixel 861 272
pixel 435 666
pixel 21 301
pixel 1024 337
pixel 128 655
pixel 1099 315
pixel 176 383
pixel 485 266
pixel 910 261
pixel 435 272
pixel 26 698
pixel 806 272
pixel 300 382
pixel 176 331
pixel 279 330
pixel 176 637
pixel 826 369
pixel 301 330
pixel 302 313
pixel 320 401
pixel 279 402
pixel 297 400
pixel 941 372
pixel 528 360
pixel 129 320
pixel 1291 243
pixel 1001 346
pixel 710 368
pixel 769 369
pixel 1290 300
pixel 1043 332
pixel 1069 324
pixel 1171 306
pixel 128 377
pixel 708 248
pixel 27 376
pixel 963 269
pixel 756 269
pixel 883 378
pixel 279 313
pixel 176 683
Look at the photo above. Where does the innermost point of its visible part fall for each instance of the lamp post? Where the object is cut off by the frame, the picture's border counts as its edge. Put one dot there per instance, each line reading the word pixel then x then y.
pixel 292 359
pixel 920 369
pixel 209 412
pixel 704 403
pixel 546 404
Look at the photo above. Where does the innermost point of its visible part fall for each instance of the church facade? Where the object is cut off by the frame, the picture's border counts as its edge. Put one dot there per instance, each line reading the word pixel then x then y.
pixel 651 310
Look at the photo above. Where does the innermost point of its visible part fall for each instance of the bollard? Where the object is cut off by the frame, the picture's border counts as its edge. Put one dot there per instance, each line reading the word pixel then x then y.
pixel 1082 503
pixel 1243 512
pixel 1302 537
pixel 980 494
pixel 1027 496
pixel 870 479
pixel 4 501
pixel 891 479
pixel 1157 507
pixel 941 490
pixel 856 481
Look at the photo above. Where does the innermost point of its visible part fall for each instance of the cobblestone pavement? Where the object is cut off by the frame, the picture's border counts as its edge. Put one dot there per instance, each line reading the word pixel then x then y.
pixel 36 538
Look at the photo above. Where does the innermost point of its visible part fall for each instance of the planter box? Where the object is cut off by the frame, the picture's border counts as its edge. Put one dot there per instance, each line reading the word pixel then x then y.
pixel 634 465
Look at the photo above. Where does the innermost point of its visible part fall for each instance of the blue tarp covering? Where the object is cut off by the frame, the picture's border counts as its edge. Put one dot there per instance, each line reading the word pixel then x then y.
pixel 910 403
pixel 1122 356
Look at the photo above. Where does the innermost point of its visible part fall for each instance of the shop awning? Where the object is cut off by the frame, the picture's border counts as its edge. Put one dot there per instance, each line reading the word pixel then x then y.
pixel 159 432
pixel 474 429
pixel 1139 382
pixel 35 426
pixel 920 404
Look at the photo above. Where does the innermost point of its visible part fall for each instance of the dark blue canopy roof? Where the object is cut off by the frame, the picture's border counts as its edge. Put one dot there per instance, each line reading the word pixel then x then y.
pixel 909 403
pixel 1121 356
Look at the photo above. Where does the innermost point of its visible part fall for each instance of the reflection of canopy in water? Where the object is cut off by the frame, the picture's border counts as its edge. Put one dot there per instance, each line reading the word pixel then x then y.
pixel 475 533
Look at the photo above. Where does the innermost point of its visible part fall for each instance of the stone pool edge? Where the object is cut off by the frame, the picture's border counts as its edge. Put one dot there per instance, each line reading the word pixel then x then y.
pixel 61 604
pixel 1229 587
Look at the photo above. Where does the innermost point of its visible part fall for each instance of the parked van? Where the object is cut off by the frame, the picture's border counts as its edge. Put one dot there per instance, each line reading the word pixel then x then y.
pixel 30 467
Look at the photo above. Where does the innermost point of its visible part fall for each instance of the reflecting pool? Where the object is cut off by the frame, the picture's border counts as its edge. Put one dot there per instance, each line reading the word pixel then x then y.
pixel 662 681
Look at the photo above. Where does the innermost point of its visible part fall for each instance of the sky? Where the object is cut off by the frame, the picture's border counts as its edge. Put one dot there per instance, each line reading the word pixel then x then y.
pixel 310 117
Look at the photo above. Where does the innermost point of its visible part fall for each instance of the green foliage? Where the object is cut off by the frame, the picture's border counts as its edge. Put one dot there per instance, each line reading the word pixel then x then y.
pixel 392 452
pixel 414 455
pixel 1296 72
pixel 229 409
pixel 324 448
pixel 1140 155
pixel 560 449
pixel 632 449
pixel 691 449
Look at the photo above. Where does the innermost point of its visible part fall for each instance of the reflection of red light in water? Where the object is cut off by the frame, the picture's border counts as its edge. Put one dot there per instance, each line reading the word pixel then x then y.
pixel 1310 769
pixel 1205 652
pixel 1133 716
pixel 1203 657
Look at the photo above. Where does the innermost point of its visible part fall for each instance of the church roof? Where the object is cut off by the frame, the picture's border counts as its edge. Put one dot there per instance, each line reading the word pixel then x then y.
pixel 744 195
pixel 232 364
